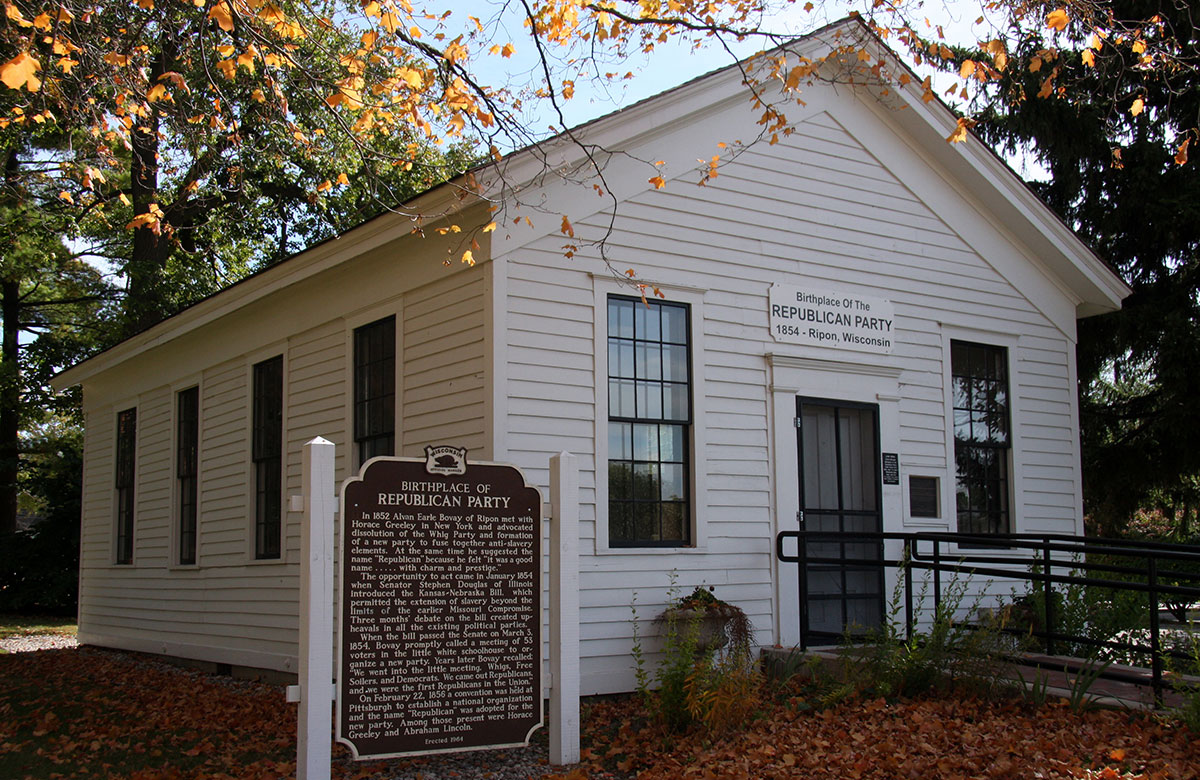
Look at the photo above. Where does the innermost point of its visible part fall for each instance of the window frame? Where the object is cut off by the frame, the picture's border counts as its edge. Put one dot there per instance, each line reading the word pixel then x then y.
pixel 266 466
pixel 1006 347
pixel 187 485
pixel 124 488
pixel 359 441
pixel 604 286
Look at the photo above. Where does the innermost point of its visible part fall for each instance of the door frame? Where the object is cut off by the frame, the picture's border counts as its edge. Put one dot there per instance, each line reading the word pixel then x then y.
pixel 803 597
pixel 869 379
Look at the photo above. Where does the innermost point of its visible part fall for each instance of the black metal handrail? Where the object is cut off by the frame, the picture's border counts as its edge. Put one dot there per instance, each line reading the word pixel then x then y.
pixel 1032 558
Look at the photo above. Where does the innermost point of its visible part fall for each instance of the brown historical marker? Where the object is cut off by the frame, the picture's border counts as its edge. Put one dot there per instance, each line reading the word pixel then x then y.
pixel 440 622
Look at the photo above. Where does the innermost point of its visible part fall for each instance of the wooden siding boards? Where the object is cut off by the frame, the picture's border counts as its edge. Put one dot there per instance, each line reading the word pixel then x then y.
pixel 816 208
pixel 230 608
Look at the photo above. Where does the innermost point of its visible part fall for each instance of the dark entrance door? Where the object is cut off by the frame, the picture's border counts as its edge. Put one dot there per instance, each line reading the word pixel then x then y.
pixel 838 445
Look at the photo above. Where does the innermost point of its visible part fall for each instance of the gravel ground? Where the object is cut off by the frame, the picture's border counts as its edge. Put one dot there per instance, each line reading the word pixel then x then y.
pixel 26 644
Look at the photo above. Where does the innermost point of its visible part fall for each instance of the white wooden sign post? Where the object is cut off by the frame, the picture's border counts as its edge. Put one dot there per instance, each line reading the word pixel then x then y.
pixel 313 746
pixel 564 610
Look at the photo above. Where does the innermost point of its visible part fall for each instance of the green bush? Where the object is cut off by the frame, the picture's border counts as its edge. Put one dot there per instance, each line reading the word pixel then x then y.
pixel 947 652
pixel 1091 612
pixel 39 566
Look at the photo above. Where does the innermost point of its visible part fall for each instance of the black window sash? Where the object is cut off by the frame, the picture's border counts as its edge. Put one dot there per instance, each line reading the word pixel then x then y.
pixel 375 389
pixel 654 399
pixel 267 455
pixel 124 483
pixel 982 437
pixel 186 470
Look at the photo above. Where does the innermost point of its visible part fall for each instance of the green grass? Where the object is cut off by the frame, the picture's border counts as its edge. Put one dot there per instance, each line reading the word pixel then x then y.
pixel 27 625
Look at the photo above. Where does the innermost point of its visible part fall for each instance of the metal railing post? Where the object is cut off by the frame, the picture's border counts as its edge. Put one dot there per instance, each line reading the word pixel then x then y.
pixel 1156 666
pixel 908 597
pixel 937 575
pixel 802 584
pixel 1048 596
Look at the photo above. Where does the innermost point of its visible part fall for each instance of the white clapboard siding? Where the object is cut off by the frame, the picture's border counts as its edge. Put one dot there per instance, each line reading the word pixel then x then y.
pixel 230 608
pixel 816 208
pixel 443 380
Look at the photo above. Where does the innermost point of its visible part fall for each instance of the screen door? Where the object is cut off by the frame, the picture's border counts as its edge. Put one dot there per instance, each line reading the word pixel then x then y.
pixel 838 445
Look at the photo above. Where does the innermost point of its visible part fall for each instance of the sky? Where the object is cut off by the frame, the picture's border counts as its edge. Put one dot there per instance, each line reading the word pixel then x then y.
pixel 675 63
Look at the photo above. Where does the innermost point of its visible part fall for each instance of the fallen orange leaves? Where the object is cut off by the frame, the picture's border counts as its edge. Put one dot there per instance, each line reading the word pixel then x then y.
pixel 95 714
pixel 933 739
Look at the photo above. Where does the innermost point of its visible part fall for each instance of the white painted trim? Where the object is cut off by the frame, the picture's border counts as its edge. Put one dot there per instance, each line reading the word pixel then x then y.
pixel 602 288
pixel 1076 438
pixel 939 523
pixel 791 377
pixel 498 339
pixel 262 354
pixel 1016 457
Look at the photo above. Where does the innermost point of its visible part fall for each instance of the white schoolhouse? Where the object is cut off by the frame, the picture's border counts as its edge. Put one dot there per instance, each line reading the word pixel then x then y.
pixel 861 325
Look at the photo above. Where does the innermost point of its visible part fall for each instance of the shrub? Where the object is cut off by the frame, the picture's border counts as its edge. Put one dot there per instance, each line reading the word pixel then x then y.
pixel 948 653
pixel 699 681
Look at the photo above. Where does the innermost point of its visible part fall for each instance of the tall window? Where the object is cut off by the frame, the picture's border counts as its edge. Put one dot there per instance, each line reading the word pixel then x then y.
pixel 186 452
pixel 649 423
pixel 126 452
pixel 979 374
pixel 375 389
pixel 268 456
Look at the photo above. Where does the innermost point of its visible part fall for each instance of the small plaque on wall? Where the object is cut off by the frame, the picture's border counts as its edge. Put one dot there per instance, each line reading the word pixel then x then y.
pixel 891 468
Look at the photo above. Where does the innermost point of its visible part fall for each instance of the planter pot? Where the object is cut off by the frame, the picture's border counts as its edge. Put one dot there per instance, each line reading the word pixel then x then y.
pixel 708 626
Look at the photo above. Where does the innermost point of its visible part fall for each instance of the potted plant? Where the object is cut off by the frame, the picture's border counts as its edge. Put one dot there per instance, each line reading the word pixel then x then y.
pixel 711 622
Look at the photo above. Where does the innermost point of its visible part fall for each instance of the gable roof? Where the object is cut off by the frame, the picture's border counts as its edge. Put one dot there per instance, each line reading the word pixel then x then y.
pixel 1093 286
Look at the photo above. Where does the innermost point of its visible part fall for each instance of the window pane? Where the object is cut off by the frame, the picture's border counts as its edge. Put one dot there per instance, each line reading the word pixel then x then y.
pixel 645 522
pixel 645 481
pixel 648 361
pixel 649 400
pixel 674 520
pixel 673 485
pixel 620 441
pixel 620 520
pixel 675 366
pixel 620 318
pixel 674 319
pixel 671 443
pixel 646 321
pixel 620 481
pixel 620 398
pixel 645 442
pixel 675 402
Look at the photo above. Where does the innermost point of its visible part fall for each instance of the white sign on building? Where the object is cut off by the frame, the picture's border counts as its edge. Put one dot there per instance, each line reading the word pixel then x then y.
pixel 829 318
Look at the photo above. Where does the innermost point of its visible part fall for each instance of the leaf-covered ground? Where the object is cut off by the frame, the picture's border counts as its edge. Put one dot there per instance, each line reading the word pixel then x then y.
pixel 96 714
pixel 947 738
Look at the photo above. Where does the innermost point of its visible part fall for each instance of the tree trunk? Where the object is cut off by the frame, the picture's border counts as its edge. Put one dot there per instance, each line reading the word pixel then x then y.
pixel 145 302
